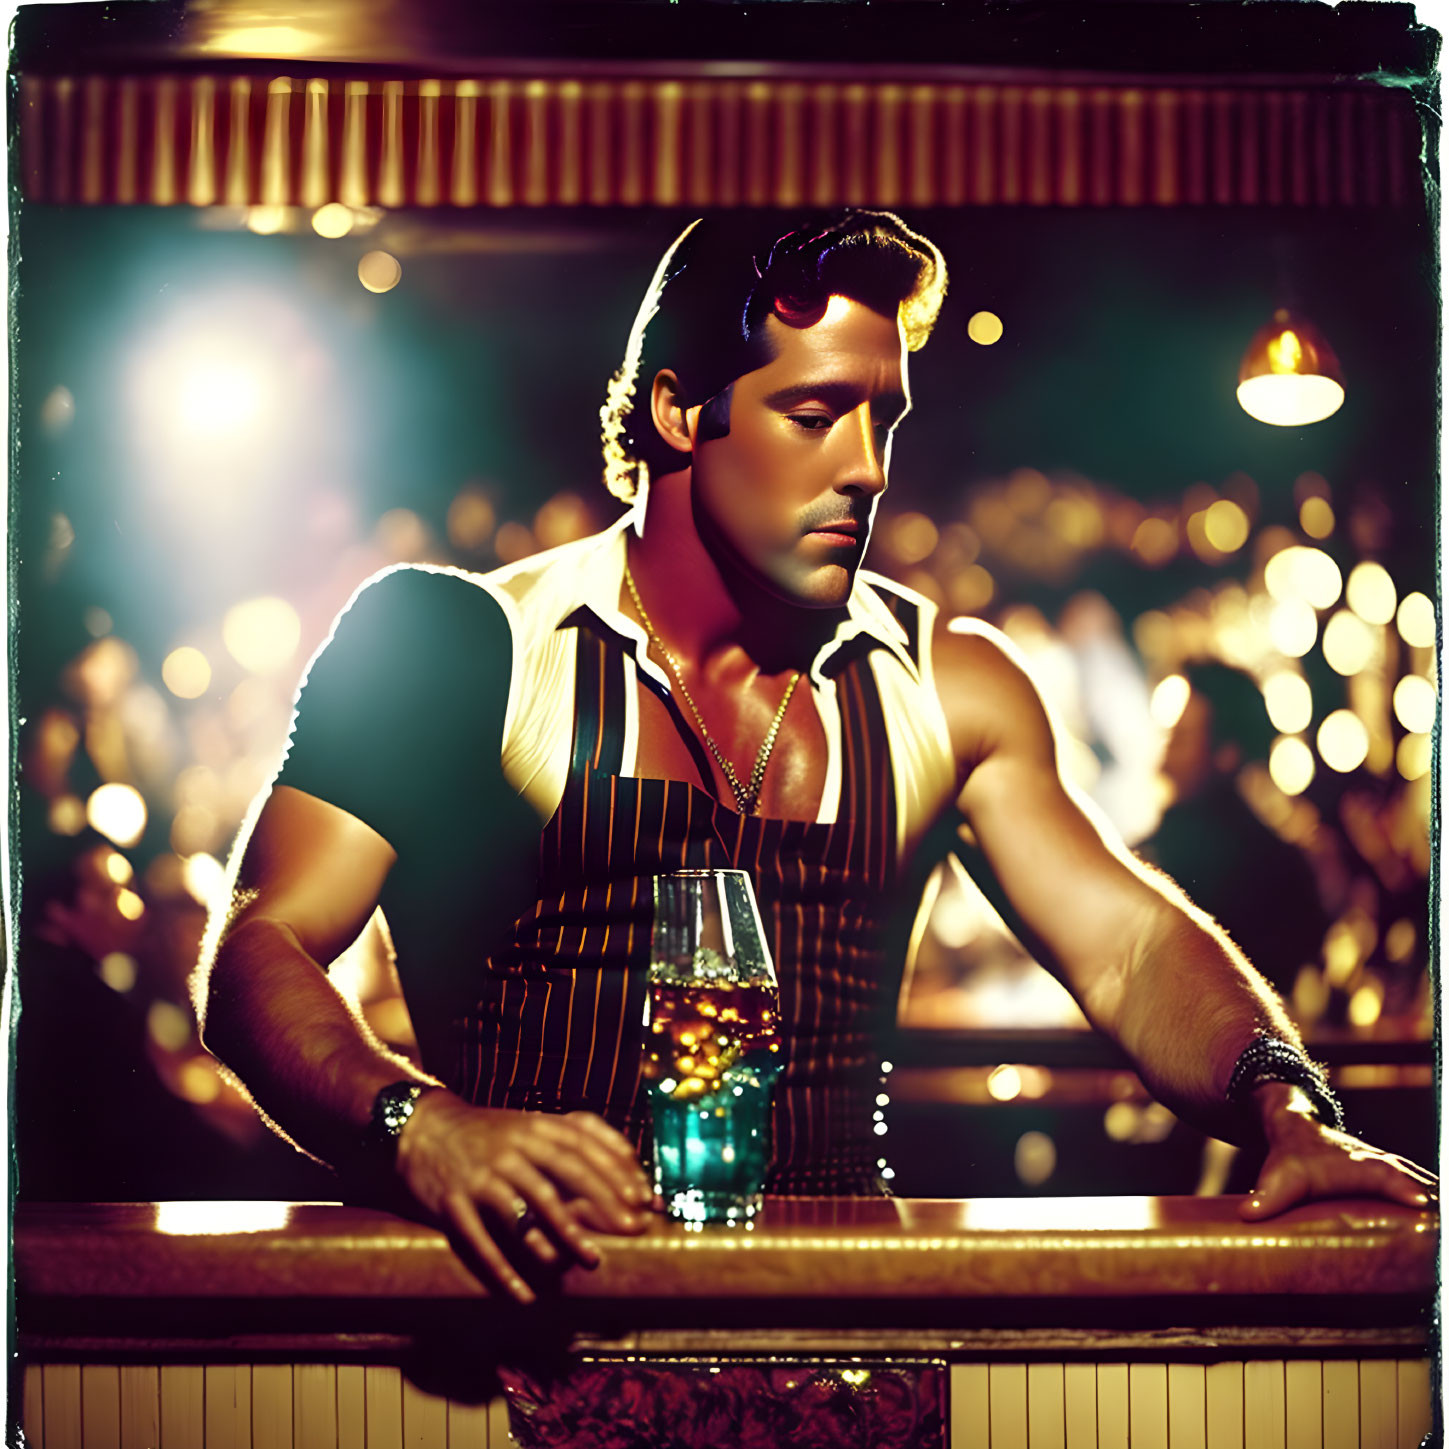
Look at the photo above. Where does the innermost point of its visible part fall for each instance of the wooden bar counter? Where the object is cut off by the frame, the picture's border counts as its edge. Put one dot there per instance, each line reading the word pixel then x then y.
pixel 1064 1322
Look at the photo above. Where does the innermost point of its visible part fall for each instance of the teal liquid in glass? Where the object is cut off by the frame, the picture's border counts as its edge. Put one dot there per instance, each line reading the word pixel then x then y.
pixel 711 1153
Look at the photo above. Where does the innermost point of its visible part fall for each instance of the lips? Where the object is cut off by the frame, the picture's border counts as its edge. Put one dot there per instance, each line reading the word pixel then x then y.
pixel 847 531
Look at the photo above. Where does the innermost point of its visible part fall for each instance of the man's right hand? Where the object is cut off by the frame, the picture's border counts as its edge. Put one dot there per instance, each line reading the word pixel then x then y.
pixel 484 1173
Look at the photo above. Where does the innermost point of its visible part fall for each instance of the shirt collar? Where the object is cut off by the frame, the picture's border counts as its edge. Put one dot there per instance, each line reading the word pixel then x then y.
pixel 593 582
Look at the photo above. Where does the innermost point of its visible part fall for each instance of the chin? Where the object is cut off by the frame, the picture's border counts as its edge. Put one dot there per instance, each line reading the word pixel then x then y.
pixel 815 586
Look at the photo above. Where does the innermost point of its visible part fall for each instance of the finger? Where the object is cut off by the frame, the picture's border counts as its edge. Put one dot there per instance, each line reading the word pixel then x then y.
pixel 461 1213
pixel 1401 1187
pixel 542 1197
pixel 606 1136
pixel 578 1162
pixel 1278 1189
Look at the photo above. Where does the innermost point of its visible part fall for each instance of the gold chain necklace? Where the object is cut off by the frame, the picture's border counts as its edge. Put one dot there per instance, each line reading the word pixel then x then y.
pixel 746 796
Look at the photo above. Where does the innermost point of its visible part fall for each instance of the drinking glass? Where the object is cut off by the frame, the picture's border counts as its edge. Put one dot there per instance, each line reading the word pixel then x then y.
pixel 712 1045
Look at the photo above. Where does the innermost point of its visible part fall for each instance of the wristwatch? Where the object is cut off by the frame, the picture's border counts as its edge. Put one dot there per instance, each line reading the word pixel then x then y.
pixel 391 1109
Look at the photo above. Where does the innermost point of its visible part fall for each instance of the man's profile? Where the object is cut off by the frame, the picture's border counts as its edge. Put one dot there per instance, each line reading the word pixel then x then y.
pixel 502 762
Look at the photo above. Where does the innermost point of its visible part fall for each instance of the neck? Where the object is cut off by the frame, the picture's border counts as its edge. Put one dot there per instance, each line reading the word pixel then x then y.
pixel 709 613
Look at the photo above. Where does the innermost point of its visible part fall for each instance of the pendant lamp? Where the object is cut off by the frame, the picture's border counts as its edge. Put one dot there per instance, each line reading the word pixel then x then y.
pixel 1290 376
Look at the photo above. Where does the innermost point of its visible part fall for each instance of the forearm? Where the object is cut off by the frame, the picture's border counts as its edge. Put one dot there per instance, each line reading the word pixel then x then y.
pixel 276 1021
pixel 1189 1006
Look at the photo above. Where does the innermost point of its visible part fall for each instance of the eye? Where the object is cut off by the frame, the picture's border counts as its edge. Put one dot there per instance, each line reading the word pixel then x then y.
pixel 811 422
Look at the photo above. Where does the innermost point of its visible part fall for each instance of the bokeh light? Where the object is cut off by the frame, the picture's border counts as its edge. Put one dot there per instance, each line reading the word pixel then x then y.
pixel 167 1025
pixel 117 970
pixel 332 220
pixel 1290 765
pixel 118 868
pixel 1414 756
pixel 1289 701
pixel 67 815
pixel 266 220
pixel 471 520
pixel 985 328
pixel 1416 621
pixel 1004 1083
pixel 379 271
pixel 1343 741
pixel 118 812
pixel 57 412
pixel 1293 627
pixel 1414 700
pixel 1169 700
pixel 130 905
pixel 1226 526
pixel 1371 594
pixel 1155 541
pixel 204 877
pixel 1303 573
pixel 912 537
pixel 1366 1004
pixel 186 672
pixel 1035 1158
pixel 262 635
pixel 1316 518
pixel 1348 643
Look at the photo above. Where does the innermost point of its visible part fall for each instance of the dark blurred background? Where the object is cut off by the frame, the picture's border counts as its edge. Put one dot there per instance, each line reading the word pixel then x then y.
pixel 230 415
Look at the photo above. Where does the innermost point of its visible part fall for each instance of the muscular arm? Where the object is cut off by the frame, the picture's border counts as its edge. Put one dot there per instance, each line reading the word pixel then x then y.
pixel 308 883
pixel 1148 968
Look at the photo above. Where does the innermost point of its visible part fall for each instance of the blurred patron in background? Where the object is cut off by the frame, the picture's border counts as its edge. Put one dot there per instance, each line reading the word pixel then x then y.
pixel 1258 887
pixel 502 761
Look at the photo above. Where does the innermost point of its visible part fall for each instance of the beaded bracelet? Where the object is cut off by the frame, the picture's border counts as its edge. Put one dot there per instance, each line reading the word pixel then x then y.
pixel 1270 1059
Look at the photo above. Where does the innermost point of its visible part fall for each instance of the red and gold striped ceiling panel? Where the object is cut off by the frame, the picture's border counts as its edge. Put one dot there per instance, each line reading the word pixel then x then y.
pixel 499 142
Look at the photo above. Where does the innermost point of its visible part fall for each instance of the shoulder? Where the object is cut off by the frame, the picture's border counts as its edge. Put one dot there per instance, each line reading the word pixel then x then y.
pixel 410 594
pixel 986 691
pixel 411 624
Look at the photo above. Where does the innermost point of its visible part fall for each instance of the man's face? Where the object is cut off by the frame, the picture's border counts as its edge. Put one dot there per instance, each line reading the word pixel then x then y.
pixel 788 494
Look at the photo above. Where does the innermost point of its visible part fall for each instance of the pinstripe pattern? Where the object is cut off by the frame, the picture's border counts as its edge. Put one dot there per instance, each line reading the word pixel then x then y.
pixel 559 1025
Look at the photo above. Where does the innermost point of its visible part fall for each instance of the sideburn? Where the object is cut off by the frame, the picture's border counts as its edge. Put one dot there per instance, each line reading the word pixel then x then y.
pixel 714 416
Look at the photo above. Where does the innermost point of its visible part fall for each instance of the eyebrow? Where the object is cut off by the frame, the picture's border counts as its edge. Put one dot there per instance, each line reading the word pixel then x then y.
pixel 841 396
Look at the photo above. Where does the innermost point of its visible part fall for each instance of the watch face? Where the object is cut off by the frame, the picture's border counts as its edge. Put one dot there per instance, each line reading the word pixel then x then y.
pixel 393 1106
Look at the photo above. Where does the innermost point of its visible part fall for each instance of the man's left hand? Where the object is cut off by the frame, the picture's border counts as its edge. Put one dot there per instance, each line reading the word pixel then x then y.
pixel 1308 1160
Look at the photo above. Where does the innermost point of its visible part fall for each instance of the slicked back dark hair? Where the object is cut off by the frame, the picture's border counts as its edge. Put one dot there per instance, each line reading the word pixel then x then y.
pixel 1239 711
pixel 705 311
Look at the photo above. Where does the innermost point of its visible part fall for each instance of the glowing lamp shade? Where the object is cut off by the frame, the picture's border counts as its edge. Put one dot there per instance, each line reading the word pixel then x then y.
pixel 1290 376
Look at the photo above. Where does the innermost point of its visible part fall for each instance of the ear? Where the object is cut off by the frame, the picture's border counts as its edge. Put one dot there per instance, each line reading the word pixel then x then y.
pixel 672 420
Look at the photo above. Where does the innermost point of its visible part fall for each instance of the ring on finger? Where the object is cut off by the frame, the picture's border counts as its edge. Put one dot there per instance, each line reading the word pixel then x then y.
pixel 524 1217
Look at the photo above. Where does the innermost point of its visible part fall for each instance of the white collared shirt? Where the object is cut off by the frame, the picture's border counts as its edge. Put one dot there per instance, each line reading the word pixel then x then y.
pixel 542 594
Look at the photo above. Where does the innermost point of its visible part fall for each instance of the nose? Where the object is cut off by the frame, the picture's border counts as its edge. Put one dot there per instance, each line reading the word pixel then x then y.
pixel 863 470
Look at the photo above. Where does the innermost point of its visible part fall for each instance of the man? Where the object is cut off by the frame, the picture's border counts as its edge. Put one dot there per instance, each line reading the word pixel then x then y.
pixel 1211 842
pixel 503 763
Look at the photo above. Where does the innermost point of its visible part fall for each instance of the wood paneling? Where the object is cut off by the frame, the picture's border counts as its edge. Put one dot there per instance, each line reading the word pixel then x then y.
pixel 1378 1407
pixel 351 1406
pixel 272 1406
pixel 1416 1412
pixel 1079 1383
pixel 1340 1404
pixel 1303 1404
pixel 228 1406
pixel 1224 1387
pixel 183 1396
pixel 1008 1405
pixel 1264 1414
pixel 424 1419
pixel 101 1406
pixel 62 1406
pixel 970 1406
pixel 1147 1405
pixel 1046 1410
pixel 383 1392
pixel 1113 1418
pixel 314 1406
pixel 140 1406
pixel 1187 1406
